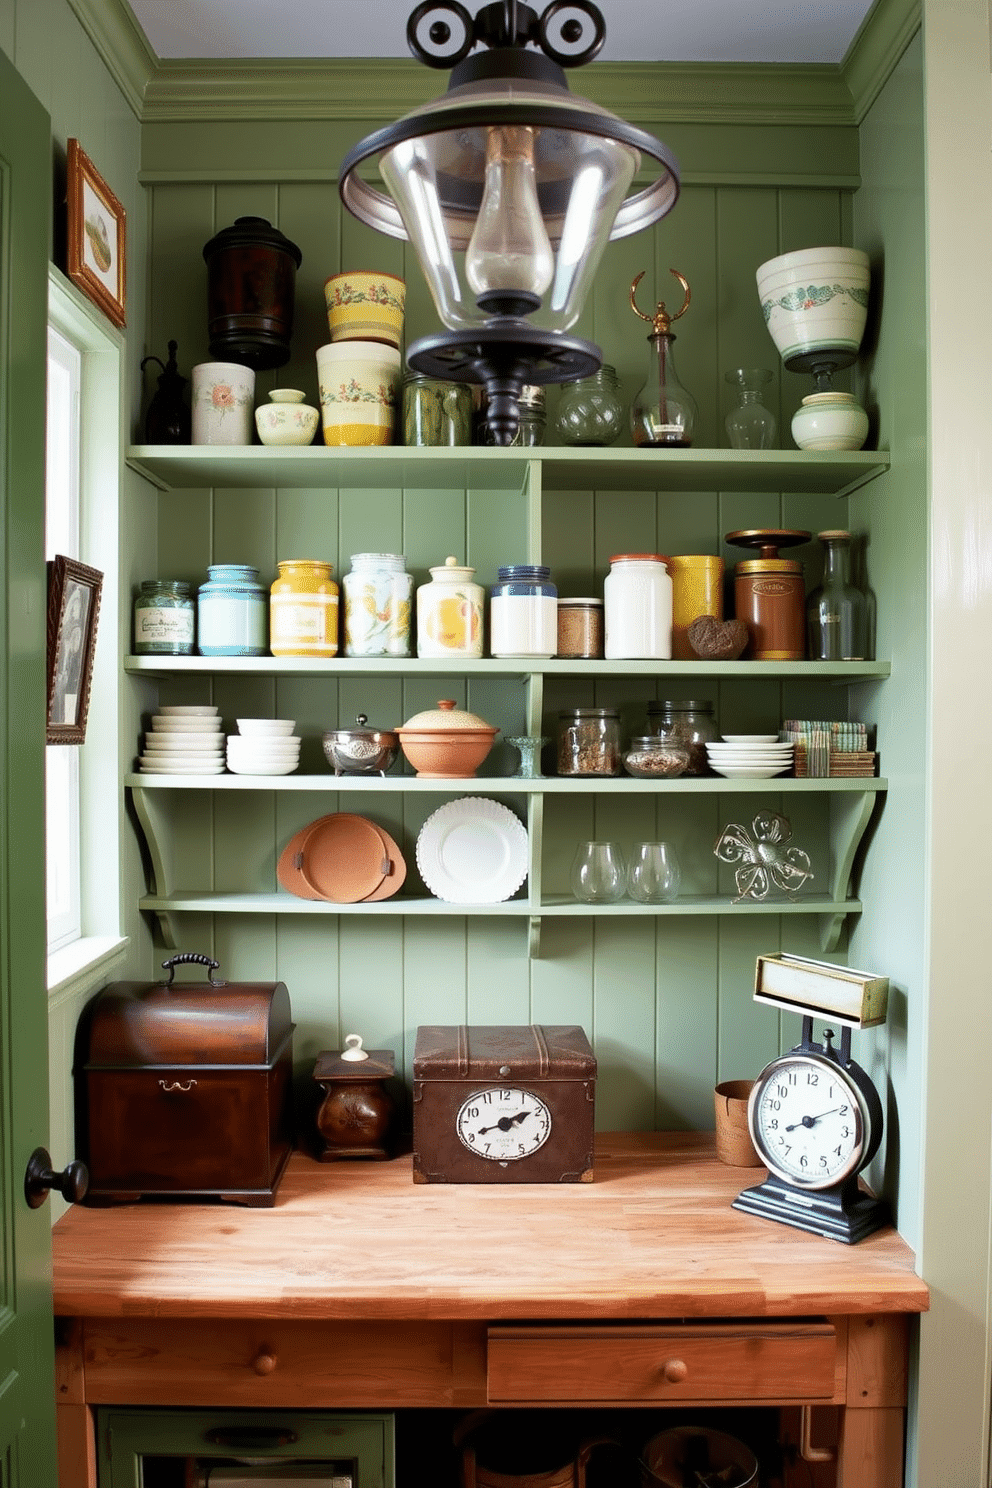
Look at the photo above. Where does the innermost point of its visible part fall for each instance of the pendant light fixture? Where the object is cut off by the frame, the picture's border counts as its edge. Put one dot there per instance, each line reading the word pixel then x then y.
pixel 509 188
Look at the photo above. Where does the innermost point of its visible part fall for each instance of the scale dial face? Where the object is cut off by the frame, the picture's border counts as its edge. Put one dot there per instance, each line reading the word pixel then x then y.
pixel 503 1124
pixel 809 1121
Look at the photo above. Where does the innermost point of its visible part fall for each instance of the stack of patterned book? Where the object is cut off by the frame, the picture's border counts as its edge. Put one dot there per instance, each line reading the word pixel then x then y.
pixel 829 748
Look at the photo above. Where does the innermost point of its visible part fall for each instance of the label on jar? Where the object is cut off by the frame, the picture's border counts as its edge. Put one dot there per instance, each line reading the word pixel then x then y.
pixel 163 627
pixel 304 624
pixel 523 625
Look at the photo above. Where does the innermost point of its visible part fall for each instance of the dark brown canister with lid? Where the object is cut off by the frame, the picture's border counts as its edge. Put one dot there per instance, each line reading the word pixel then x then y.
pixel 770 595
pixel 251 285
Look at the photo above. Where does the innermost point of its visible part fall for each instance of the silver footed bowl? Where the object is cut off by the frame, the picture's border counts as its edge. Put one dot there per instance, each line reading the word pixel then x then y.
pixel 361 750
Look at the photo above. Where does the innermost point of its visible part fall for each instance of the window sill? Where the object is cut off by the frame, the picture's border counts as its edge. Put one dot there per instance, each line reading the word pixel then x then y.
pixel 83 964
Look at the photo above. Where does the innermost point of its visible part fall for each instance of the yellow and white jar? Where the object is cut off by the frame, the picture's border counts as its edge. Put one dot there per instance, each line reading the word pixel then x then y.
pixel 303 609
pixel 359 386
pixel 450 611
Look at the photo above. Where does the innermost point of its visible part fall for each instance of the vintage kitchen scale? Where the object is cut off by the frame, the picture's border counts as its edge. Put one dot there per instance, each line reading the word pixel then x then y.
pixel 814 1115
pixel 503 1104
pixel 184 1089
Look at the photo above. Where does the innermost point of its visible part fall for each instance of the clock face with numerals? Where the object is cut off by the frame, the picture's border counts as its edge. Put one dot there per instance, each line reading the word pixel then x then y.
pixel 809 1121
pixel 503 1124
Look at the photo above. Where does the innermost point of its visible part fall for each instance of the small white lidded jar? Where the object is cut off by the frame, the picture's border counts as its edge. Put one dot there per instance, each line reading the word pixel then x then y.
pixel 637 608
pixel 450 611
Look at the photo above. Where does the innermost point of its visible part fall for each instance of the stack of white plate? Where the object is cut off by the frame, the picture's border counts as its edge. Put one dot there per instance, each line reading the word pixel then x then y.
pixel 263 746
pixel 184 740
pixel 749 756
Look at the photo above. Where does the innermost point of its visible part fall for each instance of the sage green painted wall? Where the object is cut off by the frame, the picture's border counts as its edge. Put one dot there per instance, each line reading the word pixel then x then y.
pixel 667 1003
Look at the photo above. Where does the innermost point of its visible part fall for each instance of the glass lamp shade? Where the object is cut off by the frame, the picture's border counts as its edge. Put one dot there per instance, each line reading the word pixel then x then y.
pixel 509 189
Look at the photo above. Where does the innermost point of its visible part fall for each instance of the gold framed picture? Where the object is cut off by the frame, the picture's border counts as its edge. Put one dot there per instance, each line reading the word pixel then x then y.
pixel 95 236
pixel 73 612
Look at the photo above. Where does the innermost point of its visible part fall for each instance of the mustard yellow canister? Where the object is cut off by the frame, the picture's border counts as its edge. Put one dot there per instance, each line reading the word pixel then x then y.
pixel 697 589
pixel 303 609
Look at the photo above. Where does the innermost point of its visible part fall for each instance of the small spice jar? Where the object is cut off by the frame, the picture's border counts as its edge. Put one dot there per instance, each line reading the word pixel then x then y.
pixel 377 604
pixel 580 628
pixel 689 724
pixel 590 411
pixel 164 618
pixel 650 757
pixel 231 612
pixel 450 612
pixel 523 611
pixel 637 606
pixel 589 741
pixel 303 609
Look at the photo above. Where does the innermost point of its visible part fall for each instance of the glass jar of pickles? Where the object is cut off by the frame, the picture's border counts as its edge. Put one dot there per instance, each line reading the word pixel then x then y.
pixel 377 603
pixel 303 609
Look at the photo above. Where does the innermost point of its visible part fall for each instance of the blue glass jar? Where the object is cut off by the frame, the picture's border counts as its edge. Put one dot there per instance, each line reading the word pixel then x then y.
pixel 232 612
pixel 523 611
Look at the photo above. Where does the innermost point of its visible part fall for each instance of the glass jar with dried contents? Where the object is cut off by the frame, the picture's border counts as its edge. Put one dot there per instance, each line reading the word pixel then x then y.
pixel 687 722
pixel 589 741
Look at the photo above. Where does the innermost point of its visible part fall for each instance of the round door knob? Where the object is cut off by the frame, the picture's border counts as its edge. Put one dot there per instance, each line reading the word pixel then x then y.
pixel 264 1362
pixel 675 1371
pixel 72 1183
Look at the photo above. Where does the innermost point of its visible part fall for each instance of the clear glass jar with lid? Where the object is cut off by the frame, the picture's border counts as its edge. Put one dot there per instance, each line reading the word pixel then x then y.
pixel 590 411
pixel 164 618
pixel 303 609
pixel 377 604
pixel 589 741
pixel 687 722
pixel 837 610
pixel 523 611
pixel 231 612
pixel 450 612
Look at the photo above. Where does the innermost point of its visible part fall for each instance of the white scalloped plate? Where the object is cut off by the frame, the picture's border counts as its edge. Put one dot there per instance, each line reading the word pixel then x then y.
pixel 473 851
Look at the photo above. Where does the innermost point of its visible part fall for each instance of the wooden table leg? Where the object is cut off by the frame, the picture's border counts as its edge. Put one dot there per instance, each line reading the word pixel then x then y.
pixel 74 1422
pixel 873 1425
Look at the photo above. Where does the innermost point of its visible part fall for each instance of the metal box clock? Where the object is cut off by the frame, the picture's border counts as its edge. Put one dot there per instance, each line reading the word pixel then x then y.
pixel 503 1104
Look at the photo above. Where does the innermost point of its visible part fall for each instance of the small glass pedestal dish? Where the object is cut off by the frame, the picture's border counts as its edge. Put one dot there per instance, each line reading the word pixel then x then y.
pixel 529 747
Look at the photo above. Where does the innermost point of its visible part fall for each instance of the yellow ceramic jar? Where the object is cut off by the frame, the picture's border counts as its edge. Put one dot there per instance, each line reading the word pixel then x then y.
pixel 697 589
pixel 303 609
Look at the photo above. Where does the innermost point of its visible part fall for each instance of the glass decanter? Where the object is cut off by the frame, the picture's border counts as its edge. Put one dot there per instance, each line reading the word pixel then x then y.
pixel 663 412
pixel 837 611
pixel 750 425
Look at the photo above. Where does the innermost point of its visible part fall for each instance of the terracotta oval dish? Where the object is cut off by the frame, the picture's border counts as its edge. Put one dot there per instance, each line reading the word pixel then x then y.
pixel 342 859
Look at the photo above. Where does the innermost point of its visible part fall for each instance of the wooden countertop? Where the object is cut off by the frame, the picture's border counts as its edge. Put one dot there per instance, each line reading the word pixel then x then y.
pixel 653 1237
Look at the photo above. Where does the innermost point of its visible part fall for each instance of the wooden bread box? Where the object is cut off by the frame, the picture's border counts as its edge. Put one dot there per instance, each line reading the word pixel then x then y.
pixel 184 1089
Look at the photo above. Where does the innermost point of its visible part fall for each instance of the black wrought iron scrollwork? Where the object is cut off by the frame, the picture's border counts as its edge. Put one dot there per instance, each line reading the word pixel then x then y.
pixel 572 31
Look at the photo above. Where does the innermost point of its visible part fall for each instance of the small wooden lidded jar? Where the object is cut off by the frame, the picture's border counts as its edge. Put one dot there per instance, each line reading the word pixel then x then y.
pixel 357 1114
pixel 770 596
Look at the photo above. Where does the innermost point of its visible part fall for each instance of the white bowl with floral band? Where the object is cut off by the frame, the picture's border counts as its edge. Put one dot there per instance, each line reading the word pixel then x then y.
pixel 222 398
pixel 815 301
pixel 286 418
pixel 359 383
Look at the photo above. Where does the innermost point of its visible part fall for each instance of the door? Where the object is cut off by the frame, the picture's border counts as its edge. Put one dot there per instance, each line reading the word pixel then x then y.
pixel 27 1430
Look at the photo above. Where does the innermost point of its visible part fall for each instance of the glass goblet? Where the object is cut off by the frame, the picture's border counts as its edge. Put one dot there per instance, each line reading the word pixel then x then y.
pixel 654 875
pixel 598 875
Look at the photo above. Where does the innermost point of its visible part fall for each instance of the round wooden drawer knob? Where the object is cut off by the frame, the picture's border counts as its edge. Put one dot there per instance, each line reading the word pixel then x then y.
pixel 264 1362
pixel 675 1371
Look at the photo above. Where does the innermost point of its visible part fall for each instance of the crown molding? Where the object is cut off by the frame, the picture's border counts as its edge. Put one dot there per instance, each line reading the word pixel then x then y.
pixel 121 45
pixel 336 88
pixel 884 35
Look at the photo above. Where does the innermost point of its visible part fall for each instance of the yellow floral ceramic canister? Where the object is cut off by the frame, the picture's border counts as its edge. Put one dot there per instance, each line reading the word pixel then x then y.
pixel 303 609
pixel 377 593
pixel 697 589
pixel 449 612
pixel 359 385
pixel 365 307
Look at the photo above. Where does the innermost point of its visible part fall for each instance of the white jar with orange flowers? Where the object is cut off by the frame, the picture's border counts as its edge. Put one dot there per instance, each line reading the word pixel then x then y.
pixel 377 595
pixel 450 611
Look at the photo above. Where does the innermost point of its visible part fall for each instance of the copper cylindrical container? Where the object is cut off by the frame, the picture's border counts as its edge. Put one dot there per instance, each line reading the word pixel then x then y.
pixel 251 282
pixel 697 589
pixel 770 597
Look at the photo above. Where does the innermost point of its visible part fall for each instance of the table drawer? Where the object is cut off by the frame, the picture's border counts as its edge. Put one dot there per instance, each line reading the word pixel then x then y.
pixel 663 1363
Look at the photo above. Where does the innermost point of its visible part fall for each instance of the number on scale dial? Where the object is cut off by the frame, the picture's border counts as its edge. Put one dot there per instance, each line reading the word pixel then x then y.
pixel 807 1121
pixel 503 1124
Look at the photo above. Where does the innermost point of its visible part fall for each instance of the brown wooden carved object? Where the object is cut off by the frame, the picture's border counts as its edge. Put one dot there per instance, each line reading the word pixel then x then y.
pixel 357 1115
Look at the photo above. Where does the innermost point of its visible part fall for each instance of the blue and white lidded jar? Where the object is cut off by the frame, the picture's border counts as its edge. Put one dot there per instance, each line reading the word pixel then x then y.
pixel 523 611
pixel 232 612
pixel 164 618
pixel 377 603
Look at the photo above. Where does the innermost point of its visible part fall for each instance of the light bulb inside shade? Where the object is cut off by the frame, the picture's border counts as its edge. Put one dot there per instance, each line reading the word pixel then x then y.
pixel 509 253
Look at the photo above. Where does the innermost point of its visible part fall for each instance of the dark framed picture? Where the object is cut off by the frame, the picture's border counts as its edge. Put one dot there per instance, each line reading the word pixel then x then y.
pixel 95 236
pixel 73 612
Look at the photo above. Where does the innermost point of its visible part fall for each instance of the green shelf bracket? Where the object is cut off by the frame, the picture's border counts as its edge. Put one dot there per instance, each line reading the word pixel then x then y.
pixel 850 815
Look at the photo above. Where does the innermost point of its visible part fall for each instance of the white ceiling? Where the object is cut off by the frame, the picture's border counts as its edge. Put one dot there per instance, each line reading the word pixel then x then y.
pixel 636 30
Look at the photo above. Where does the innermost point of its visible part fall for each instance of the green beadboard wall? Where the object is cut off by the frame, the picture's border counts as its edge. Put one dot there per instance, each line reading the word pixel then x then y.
pixel 667 1003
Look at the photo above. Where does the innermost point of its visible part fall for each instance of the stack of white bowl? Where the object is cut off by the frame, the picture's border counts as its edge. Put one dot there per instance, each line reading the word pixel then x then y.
pixel 749 756
pixel 263 746
pixel 184 740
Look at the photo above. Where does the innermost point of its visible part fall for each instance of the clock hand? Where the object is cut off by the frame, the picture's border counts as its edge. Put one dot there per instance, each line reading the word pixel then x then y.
pixel 504 1124
pixel 808 1121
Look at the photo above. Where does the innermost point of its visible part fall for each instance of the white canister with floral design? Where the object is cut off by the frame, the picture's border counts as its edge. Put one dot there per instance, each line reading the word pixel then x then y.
pixel 377 595
pixel 223 401
pixel 359 382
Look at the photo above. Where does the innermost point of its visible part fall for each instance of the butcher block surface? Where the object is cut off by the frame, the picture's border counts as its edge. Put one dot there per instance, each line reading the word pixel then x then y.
pixel 653 1236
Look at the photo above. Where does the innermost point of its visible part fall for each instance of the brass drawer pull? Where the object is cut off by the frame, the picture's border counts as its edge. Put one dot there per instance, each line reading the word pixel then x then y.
pixel 675 1371
pixel 264 1361
pixel 184 1086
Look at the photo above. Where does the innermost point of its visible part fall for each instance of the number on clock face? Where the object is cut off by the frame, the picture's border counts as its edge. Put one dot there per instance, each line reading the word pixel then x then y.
pixel 503 1124
pixel 806 1121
